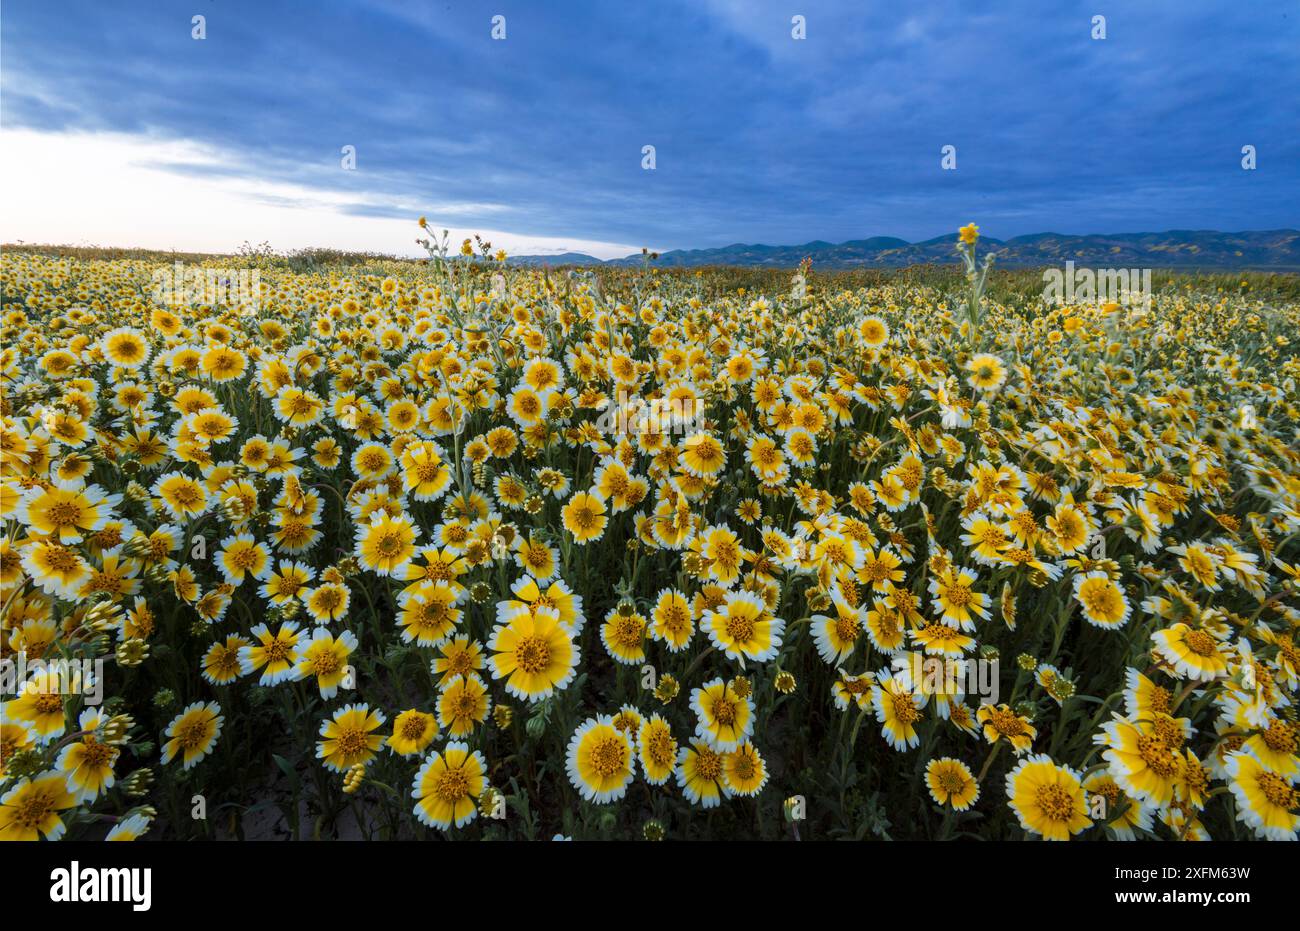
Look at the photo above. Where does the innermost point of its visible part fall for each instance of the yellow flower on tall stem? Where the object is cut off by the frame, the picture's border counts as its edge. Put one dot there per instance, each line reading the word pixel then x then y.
pixel 873 331
pixel 953 595
pixel 886 628
pixel 898 710
pixel 656 749
pixel 430 612
pixel 1127 814
pixel 372 461
pixel 536 558
pixel 327 602
pixel 584 517
pixel 193 733
pixel 672 621
pixel 31 808
pixel 326 657
pixel 460 657
pixel 181 496
pixel 722 553
pixel 448 785
pixel 220 664
pixel 837 636
pixel 1200 563
pixel 222 364
pixel 987 537
pixel 600 761
pixel 939 639
pixel 1002 723
pixel 724 719
pixel 1266 801
pixel 68 513
pixel 424 472
pixel 387 543
pixel 88 762
pixel 526 406
pixel 1047 799
pixel 950 783
pixel 1103 602
pixel 241 557
pixel 463 703
pixel 1143 699
pixel 557 595
pixel 623 635
pixel 289 583
pixel 742 627
pixel 701 774
pixel 1145 756
pixel 702 455
pixel 1276 746
pixel 987 373
pixel 298 407
pixel 848 690
pixel 54 568
pixel 743 770
pixel 437 566
pixel 275 654
pixel 533 652
pixel 125 348
pixel 349 737
pixel 1194 654
pixel 413 730
pixel 40 702
pixel 1070 526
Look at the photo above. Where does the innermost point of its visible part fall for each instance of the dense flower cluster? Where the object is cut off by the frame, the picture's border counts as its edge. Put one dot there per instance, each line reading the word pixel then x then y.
pixel 462 542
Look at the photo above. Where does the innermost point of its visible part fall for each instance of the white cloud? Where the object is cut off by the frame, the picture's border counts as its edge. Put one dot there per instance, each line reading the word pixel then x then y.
pixel 114 189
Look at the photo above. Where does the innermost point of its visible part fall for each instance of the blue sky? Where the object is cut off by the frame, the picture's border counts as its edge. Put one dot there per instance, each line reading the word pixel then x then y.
pixel 121 128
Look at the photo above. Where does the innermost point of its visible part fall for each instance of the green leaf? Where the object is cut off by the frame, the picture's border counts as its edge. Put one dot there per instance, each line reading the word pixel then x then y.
pixel 289 772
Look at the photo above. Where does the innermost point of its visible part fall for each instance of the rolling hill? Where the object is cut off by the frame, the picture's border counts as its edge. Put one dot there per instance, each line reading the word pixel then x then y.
pixel 1273 250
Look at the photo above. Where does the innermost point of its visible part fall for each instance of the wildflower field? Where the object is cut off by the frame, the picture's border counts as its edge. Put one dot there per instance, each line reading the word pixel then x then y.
pixel 458 549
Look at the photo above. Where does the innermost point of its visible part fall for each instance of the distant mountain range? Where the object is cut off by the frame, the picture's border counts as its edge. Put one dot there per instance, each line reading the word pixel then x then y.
pixel 1273 250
